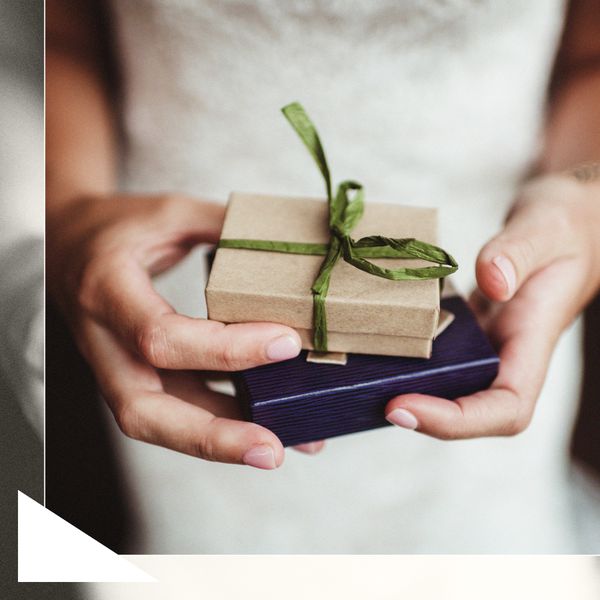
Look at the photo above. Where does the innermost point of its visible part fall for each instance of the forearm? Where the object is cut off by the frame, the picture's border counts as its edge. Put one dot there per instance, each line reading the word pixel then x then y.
pixel 573 146
pixel 80 120
pixel 573 131
pixel 571 154
pixel 81 135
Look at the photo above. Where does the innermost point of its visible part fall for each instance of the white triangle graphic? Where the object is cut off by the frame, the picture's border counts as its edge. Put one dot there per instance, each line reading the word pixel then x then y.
pixel 51 549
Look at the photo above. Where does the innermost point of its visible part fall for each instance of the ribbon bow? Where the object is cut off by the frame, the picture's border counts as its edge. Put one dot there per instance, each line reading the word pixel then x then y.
pixel 344 213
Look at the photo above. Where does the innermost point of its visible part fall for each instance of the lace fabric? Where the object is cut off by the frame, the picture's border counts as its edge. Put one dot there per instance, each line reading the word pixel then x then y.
pixel 435 103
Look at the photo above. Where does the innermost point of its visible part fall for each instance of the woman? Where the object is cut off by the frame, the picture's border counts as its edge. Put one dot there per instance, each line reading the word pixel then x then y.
pixel 425 103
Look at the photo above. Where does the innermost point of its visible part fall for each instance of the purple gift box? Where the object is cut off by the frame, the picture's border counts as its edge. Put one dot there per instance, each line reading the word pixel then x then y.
pixel 303 402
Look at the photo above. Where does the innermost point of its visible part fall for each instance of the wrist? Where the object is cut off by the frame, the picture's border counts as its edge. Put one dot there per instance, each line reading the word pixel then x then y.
pixel 587 175
pixel 587 172
pixel 570 202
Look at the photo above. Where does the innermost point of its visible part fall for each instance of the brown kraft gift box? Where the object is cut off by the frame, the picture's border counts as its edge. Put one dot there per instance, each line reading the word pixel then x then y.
pixel 365 314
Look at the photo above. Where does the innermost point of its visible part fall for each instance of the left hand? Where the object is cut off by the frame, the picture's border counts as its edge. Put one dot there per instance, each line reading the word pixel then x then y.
pixel 539 272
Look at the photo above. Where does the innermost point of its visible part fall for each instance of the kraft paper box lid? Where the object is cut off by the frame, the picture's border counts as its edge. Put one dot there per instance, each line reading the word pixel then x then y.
pixel 253 285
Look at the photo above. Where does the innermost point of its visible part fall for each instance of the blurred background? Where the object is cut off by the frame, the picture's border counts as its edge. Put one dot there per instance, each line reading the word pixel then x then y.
pixel 21 281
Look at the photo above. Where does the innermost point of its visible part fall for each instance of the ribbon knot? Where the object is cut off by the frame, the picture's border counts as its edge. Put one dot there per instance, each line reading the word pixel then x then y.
pixel 344 213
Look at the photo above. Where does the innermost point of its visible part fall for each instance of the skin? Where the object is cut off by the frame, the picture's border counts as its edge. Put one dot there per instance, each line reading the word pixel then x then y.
pixel 103 249
pixel 552 240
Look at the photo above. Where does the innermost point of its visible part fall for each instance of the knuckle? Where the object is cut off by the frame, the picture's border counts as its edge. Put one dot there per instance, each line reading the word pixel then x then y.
pixel 458 429
pixel 513 427
pixel 170 204
pixel 447 436
pixel 558 218
pixel 230 358
pixel 205 449
pixel 93 282
pixel 128 420
pixel 559 222
pixel 206 446
pixel 152 344
pixel 172 211
pixel 88 287
pixel 518 422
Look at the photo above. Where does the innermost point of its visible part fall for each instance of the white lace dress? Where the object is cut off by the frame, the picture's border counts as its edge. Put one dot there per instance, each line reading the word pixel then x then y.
pixel 436 103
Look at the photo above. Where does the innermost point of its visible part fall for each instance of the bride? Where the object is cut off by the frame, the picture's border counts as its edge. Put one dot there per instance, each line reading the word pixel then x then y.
pixel 427 103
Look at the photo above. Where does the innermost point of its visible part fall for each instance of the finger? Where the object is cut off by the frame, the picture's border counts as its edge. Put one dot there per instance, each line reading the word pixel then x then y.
pixel 478 303
pixel 185 385
pixel 526 336
pixel 181 224
pixel 481 307
pixel 505 409
pixel 129 305
pixel 145 412
pixel 498 411
pixel 165 420
pixel 484 310
pixel 169 218
pixel 310 447
pixel 535 236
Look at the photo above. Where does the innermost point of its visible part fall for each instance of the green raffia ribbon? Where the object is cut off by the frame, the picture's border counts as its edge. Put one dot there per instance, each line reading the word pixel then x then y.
pixel 344 214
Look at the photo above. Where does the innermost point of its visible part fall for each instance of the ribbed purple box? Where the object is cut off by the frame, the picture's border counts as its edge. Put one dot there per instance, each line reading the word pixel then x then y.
pixel 302 402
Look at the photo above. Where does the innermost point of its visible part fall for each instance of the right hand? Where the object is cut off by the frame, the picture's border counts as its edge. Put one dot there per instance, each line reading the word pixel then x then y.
pixel 101 255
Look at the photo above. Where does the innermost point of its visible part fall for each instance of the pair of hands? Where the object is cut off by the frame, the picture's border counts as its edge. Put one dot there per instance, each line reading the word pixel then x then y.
pixel 534 278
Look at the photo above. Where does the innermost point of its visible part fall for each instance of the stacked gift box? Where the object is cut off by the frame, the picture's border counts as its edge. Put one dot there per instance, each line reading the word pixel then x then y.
pixel 360 282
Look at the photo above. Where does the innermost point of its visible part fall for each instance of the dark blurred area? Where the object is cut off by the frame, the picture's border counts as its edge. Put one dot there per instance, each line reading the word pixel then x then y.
pixel 22 41
pixel 586 441
pixel 21 462
pixel 84 482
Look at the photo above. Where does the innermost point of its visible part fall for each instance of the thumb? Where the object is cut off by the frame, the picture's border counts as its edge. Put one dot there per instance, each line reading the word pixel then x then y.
pixel 533 237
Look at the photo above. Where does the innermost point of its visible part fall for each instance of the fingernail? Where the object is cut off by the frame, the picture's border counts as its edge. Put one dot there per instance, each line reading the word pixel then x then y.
pixel 507 270
pixel 283 348
pixel 261 457
pixel 402 418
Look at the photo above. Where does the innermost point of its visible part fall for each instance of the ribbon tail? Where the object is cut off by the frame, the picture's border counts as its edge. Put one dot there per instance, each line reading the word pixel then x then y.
pixel 319 290
pixel 307 132
pixel 320 323
pixel 445 265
